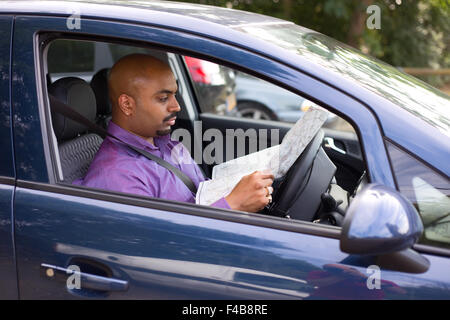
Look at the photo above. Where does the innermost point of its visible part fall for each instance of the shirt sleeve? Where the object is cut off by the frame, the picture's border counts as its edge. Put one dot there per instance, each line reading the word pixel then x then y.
pixel 221 203
pixel 118 180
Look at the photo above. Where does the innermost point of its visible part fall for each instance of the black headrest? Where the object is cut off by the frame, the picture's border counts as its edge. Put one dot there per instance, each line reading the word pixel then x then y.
pixel 99 84
pixel 77 94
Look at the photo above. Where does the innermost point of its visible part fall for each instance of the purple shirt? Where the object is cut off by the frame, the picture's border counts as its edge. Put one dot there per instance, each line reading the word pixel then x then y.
pixel 118 168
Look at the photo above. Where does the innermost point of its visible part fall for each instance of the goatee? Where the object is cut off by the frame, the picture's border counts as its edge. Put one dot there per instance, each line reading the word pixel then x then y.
pixel 163 132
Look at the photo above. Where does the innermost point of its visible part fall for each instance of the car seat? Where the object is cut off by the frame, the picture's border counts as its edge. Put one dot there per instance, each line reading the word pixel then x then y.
pixel 99 85
pixel 76 145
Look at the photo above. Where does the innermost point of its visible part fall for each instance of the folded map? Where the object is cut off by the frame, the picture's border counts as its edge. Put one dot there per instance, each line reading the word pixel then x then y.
pixel 277 159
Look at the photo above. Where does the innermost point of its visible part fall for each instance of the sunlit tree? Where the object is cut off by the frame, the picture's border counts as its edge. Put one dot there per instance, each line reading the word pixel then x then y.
pixel 413 33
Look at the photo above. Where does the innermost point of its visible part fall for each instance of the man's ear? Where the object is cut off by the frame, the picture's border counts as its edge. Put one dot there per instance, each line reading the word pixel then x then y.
pixel 126 104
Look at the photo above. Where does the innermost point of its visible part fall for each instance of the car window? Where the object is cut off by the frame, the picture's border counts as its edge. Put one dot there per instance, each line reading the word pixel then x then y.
pixel 83 59
pixel 118 51
pixel 224 91
pixel 71 56
pixel 429 191
pixel 219 91
pixel 214 86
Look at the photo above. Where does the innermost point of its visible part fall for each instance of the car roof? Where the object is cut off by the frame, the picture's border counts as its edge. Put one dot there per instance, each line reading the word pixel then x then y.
pixel 227 25
pixel 213 14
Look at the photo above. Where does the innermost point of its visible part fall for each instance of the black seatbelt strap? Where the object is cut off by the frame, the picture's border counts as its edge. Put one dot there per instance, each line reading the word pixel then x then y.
pixel 63 109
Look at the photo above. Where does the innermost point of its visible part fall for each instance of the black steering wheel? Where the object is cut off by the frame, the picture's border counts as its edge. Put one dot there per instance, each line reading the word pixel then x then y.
pixel 290 187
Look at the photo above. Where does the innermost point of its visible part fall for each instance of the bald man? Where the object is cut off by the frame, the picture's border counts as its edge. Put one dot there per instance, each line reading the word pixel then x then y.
pixel 142 92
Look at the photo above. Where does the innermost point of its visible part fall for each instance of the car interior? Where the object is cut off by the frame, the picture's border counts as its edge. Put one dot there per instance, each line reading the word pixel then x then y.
pixel 317 188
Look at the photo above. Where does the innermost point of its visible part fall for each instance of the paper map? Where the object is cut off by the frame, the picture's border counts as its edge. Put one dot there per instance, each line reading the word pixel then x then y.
pixel 277 159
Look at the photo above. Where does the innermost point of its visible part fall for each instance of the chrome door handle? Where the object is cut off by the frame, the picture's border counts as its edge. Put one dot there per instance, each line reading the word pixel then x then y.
pixel 329 143
pixel 87 281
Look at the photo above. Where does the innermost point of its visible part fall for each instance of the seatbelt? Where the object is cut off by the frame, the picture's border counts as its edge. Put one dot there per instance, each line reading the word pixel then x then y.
pixel 63 109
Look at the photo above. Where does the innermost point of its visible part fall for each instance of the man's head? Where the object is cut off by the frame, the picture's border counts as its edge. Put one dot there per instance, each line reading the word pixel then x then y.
pixel 142 92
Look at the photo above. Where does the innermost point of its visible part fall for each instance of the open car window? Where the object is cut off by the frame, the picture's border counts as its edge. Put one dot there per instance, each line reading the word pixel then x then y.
pixel 225 91
pixel 333 161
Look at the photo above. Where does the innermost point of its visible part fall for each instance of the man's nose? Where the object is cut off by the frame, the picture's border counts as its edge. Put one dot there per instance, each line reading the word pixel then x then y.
pixel 174 106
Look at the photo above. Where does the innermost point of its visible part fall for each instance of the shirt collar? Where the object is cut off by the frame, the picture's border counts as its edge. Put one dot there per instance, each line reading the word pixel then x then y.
pixel 135 140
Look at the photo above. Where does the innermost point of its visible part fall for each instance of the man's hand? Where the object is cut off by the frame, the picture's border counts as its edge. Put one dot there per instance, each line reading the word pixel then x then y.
pixel 251 193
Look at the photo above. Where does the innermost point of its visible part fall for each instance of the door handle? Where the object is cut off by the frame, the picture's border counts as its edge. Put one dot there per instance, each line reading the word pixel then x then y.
pixel 329 143
pixel 87 280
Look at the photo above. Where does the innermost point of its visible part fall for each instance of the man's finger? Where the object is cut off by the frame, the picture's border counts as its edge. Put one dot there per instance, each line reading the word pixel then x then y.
pixel 267 175
pixel 267 182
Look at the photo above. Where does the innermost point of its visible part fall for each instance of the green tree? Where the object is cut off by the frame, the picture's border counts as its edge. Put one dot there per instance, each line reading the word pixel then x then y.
pixel 414 33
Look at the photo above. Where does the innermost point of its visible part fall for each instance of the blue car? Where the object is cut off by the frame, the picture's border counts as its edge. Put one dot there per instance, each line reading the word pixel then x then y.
pixel 359 215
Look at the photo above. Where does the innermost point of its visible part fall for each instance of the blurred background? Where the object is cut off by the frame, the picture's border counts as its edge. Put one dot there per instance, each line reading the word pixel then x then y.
pixel 414 34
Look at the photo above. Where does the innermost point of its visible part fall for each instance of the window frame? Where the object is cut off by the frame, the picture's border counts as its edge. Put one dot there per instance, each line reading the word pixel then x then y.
pixel 189 111
pixel 159 203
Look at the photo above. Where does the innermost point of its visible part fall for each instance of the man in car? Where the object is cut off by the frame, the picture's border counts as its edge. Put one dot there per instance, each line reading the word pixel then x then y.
pixel 142 92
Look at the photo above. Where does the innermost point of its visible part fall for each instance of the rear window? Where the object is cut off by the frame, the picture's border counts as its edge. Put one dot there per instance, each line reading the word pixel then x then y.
pixel 71 56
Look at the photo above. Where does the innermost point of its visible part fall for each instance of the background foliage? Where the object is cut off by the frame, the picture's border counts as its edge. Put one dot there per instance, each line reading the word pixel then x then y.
pixel 414 33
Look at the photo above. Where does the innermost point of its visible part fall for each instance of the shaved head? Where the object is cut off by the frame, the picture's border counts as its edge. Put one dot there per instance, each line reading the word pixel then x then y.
pixel 142 93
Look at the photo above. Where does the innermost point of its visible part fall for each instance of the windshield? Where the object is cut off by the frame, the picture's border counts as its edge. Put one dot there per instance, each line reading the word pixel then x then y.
pixel 410 93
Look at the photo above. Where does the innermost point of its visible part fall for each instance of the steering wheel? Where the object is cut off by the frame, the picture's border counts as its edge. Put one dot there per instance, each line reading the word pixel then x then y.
pixel 291 186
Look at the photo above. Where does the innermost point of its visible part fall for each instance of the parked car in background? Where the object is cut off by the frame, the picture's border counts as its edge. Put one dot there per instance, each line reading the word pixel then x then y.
pixel 215 86
pixel 220 89
pixel 259 99
pixel 373 202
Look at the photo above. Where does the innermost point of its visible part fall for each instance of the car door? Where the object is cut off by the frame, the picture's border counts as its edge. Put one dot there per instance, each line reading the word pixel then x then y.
pixel 8 278
pixel 143 248
pixel 130 247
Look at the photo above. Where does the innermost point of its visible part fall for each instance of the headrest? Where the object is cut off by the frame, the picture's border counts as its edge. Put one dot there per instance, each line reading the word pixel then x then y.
pixel 77 94
pixel 99 84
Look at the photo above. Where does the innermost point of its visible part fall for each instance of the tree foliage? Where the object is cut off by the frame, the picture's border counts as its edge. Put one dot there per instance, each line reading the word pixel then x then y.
pixel 414 33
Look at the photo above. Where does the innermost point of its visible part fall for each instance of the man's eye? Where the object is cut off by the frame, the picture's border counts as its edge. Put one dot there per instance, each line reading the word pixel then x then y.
pixel 163 99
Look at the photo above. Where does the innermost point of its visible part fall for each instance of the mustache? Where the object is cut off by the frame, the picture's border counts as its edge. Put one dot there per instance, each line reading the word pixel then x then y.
pixel 170 116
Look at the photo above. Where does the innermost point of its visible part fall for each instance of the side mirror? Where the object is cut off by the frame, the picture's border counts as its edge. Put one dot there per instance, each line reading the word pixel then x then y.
pixel 382 223
pixel 379 221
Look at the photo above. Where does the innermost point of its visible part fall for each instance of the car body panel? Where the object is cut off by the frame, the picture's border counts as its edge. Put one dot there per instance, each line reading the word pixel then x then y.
pixel 162 255
pixel 8 275
pixel 165 249
pixel 6 160
pixel 8 282
pixel 29 157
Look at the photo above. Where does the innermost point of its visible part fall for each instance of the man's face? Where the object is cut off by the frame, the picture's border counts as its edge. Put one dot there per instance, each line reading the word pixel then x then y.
pixel 155 105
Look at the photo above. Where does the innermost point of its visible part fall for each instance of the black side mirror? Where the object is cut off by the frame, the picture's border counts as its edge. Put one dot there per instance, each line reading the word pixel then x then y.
pixel 381 222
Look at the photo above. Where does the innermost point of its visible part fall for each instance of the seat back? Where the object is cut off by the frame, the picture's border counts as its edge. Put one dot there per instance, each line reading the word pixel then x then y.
pixel 99 85
pixel 76 146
